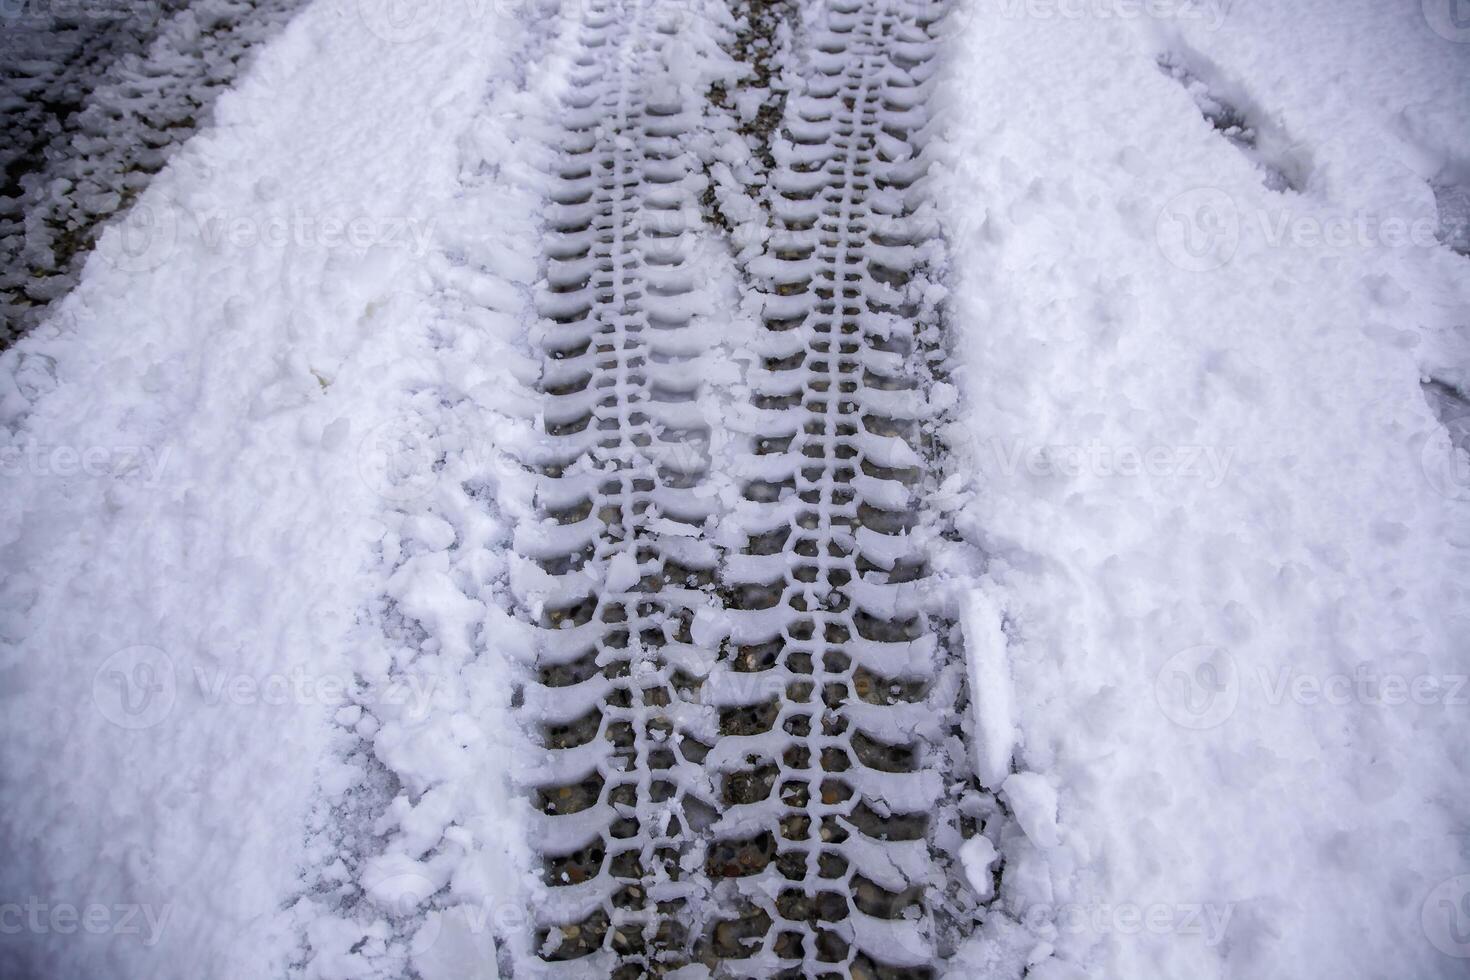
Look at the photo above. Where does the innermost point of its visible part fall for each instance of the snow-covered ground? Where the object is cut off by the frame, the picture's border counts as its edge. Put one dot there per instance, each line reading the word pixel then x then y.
pixel 194 528
pixel 94 97
pixel 1225 526
pixel 1209 325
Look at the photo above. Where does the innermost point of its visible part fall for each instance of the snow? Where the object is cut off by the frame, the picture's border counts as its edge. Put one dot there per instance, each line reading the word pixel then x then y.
pixel 990 687
pixel 266 497
pixel 978 855
pixel 1221 518
pixel 96 97
pixel 1034 802
pixel 184 492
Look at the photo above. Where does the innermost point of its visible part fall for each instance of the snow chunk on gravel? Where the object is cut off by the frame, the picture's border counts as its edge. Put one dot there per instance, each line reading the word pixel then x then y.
pixel 977 855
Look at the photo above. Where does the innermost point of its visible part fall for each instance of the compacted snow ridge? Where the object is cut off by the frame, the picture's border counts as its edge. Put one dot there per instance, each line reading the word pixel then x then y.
pixel 95 97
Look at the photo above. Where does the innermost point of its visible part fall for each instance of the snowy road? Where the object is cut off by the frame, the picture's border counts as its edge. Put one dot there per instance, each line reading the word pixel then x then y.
pixel 831 488
pixel 740 694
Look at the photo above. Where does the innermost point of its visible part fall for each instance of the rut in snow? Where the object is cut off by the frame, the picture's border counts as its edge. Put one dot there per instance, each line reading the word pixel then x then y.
pixel 837 758
pixel 753 753
pixel 622 797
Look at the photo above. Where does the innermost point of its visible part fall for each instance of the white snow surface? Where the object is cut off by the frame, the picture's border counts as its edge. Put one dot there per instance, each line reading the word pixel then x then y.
pixel 1220 635
pixel 193 468
pixel 1214 648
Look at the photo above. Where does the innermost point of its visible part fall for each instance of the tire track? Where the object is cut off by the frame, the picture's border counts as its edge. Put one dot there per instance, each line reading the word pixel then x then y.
pixel 752 759
pixel 622 794
pixel 834 765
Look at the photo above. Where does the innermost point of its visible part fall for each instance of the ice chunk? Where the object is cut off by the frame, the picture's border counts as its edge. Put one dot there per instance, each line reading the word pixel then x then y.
pixel 1034 802
pixel 990 689
pixel 977 855
pixel 622 572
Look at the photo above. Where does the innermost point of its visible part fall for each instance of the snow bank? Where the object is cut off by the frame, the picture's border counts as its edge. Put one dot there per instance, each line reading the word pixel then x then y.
pixel 1222 520
pixel 190 473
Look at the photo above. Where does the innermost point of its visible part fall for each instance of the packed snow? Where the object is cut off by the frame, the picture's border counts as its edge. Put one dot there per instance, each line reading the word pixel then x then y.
pixel 1225 529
